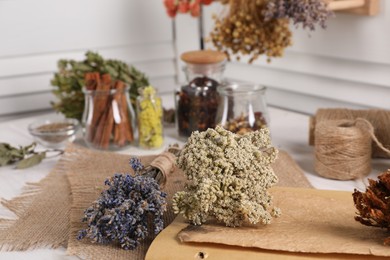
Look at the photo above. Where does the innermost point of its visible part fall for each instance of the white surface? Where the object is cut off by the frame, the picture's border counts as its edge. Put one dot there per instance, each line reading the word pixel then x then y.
pixel 289 132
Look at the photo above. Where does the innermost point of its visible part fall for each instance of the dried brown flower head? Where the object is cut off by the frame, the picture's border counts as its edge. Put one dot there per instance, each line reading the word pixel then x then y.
pixel 374 204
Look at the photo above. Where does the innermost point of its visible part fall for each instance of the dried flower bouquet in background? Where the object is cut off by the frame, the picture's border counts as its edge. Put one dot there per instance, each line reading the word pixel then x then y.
pixel 245 31
pixel 374 204
pixel 261 27
pixel 229 176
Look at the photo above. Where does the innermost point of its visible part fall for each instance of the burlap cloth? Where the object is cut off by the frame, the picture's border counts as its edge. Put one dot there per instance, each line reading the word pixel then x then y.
pixel 49 213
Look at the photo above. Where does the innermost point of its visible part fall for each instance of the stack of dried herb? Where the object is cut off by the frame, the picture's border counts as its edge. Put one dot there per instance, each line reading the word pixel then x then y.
pixel 108 115
pixel 69 81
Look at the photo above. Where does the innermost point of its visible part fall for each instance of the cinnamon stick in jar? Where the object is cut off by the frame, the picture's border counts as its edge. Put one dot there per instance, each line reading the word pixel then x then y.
pixel 110 121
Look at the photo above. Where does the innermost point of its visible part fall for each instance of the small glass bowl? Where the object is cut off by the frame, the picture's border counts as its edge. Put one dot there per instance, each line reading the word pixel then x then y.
pixel 54 134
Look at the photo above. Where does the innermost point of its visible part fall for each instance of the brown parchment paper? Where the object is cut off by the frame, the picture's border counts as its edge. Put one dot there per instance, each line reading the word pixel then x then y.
pixel 312 221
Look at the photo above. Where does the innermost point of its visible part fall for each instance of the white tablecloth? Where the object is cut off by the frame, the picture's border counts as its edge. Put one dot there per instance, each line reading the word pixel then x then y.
pixel 289 132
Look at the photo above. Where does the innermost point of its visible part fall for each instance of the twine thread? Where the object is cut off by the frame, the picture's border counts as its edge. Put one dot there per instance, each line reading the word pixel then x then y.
pixel 343 148
pixel 379 119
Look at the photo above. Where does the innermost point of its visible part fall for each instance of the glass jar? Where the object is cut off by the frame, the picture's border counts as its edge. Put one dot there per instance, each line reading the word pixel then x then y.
pixel 242 107
pixel 149 117
pixel 197 101
pixel 108 119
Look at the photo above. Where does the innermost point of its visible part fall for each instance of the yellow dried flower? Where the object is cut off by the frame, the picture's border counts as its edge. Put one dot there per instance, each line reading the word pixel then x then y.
pixel 150 114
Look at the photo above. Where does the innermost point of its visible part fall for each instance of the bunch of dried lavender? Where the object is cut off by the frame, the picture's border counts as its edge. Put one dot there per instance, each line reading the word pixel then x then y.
pixel 123 211
pixel 308 13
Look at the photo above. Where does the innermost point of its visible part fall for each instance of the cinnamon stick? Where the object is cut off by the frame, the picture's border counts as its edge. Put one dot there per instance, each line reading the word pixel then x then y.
pixel 92 80
pixel 106 128
pixel 104 124
pixel 123 127
pixel 101 104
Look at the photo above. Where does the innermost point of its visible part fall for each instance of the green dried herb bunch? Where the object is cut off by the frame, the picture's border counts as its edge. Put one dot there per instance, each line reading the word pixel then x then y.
pixel 69 81
pixel 228 177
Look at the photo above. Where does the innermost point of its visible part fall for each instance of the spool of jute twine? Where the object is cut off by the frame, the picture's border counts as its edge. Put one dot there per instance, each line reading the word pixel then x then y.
pixel 343 148
pixel 379 119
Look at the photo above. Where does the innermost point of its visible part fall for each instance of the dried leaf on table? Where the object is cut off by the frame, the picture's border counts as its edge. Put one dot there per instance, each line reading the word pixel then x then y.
pixel 31 161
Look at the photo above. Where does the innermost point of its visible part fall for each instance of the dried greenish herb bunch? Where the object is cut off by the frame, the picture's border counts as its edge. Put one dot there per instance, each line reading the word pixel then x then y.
pixel 69 81
pixel 228 177
pixel 245 31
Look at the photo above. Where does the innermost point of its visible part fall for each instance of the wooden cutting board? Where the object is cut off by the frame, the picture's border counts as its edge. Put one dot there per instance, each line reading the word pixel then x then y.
pixel 167 245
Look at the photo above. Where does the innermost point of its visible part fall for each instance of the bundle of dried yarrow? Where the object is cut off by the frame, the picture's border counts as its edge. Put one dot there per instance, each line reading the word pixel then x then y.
pixel 229 176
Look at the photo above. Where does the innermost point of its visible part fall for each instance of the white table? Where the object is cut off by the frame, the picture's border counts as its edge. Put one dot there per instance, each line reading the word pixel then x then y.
pixel 289 132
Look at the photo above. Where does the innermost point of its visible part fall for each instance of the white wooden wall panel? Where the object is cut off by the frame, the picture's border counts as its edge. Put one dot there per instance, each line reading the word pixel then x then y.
pixel 36 34
pixel 44 26
pixel 346 65
pixel 312 85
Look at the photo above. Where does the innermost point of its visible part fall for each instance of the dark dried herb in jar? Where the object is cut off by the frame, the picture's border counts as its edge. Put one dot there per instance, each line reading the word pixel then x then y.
pixel 197 101
pixel 197 105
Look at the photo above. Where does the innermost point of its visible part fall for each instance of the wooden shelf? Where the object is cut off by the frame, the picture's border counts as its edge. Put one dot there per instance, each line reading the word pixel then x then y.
pixel 359 7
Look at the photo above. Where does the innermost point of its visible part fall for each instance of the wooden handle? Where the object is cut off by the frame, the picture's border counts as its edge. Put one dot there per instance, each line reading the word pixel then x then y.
pixel 359 7
pixel 345 4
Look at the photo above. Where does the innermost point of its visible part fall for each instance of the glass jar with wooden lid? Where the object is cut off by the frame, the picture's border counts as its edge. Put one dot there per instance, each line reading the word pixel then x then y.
pixel 197 100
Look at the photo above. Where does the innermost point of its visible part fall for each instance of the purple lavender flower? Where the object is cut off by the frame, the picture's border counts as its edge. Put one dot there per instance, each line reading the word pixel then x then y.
pixel 308 13
pixel 136 164
pixel 123 211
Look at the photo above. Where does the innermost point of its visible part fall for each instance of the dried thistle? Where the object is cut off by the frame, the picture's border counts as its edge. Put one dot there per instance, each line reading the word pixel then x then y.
pixel 228 177
pixel 374 204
